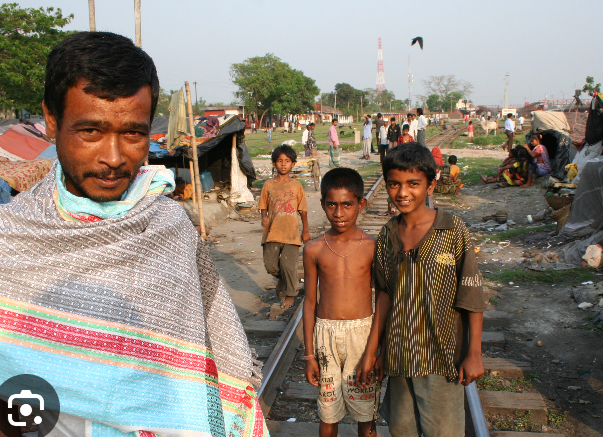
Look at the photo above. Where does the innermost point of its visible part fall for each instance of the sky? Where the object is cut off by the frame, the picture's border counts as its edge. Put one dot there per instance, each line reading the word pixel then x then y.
pixel 544 45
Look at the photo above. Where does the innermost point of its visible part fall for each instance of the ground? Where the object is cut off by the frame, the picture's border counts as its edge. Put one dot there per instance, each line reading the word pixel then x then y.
pixel 540 303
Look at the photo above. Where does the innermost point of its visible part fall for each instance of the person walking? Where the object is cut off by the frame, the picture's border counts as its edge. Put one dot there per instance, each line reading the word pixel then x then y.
pixel 421 126
pixel 269 135
pixel 378 124
pixel 510 131
pixel 367 137
pixel 412 122
pixel 334 157
pixel 383 141
pixel 521 121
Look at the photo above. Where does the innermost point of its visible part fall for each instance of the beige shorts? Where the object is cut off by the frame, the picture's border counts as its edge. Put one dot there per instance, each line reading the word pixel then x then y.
pixel 339 347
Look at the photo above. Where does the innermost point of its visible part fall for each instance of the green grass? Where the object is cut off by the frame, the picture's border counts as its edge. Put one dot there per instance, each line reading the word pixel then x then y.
pixel 486 166
pixel 517 423
pixel 368 170
pixel 494 383
pixel 496 140
pixel 525 276
pixel 258 144
pixel 556 419
pixel 519 232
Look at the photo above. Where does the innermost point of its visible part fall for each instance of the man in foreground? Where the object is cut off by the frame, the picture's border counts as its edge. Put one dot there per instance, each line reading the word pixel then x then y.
pixel 106 289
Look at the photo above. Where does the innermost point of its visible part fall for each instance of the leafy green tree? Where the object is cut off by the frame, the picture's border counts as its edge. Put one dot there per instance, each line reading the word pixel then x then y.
pixel 590 87
pixel 27 36
pixel 433 102
pixel 268 84
pixel 449 101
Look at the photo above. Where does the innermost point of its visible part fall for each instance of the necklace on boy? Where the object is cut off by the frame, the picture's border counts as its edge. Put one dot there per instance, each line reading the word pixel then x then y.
pixel 343 256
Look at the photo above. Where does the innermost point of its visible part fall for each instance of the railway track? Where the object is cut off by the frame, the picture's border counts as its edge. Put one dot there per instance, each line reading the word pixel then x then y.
pixel 286 351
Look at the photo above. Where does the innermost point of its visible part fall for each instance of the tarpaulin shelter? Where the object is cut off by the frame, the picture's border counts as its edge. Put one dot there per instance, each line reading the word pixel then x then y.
pixel 586 215
pixel 547 120
pixel 558 146
pixel 25 155
pixel 215 154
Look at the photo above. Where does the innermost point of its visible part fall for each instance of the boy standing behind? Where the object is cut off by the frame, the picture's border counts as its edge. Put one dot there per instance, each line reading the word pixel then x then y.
pixel 429 303
pixel 281 200
pixel 337 327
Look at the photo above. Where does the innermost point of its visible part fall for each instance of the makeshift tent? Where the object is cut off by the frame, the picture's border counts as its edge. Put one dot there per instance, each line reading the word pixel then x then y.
pixel 547 120
pixel 558 146
pixel 586 215
pixel 215 155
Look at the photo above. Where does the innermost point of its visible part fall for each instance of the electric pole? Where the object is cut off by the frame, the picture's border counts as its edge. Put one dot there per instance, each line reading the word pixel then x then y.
pixel 507 91
pixel 197 101
pixel 91 16
pixel 137 22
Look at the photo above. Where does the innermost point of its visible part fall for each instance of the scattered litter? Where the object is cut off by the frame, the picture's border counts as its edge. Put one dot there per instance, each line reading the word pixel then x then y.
pixel 574 387
pixel 511 283
pixel 539 343
pixel 588 283
pixel 594 255
pixel 292 419
pixel 504 244
pixel 585 305
pixel 530 219
pixel 239 244
pixel 502 227
pixel 490 250
pixel 477 249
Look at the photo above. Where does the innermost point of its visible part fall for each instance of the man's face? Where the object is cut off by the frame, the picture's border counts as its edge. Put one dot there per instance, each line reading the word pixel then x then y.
pixel 335 123
pixel 101 144
pixel 342 208
pixel 408 189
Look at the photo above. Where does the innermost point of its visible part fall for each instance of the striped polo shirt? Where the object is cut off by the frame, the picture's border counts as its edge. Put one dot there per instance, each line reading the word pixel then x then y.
pixel 429 287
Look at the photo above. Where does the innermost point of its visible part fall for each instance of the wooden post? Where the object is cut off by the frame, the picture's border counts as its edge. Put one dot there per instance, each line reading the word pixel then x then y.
pixel 191 126
pixel 137 23
pixel 193 181
pixel 91 16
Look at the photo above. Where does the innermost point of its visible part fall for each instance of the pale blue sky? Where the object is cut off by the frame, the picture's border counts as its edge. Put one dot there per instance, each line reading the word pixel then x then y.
pixel 544 45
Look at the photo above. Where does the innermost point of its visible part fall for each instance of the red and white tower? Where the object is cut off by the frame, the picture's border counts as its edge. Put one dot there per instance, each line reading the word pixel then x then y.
pixel 380 74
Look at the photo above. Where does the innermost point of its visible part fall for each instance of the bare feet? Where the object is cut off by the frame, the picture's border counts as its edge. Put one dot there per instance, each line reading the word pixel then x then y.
pixel 483 178
pixel 288 302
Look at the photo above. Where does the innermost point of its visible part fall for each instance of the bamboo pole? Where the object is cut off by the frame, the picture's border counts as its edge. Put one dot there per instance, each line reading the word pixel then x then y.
pixel 191 126
pixel 137 23
pixel 91 16
pixel 193 184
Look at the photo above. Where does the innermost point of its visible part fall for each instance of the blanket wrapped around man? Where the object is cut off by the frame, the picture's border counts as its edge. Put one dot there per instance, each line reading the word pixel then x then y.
pixel 127 318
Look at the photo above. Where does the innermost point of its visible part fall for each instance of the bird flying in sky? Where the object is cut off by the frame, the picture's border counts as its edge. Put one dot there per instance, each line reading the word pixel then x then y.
pixel 418 39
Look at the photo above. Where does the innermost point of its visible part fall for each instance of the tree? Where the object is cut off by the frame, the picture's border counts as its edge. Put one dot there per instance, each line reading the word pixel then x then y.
pixel 268 84
pixel 444 85
pixel 590 87
pixel 433 102
pixel 449 101
pixel 26 38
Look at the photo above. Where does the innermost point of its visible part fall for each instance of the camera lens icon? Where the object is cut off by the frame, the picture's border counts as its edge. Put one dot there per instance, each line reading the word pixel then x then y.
pixel 25 409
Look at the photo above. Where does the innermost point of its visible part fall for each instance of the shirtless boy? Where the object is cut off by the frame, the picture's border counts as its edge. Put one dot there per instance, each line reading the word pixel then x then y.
pixel 336 328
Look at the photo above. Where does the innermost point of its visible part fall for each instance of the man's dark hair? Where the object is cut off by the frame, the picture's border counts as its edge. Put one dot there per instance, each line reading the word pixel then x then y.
pixel 452 159
pixel 393 119
pixel 379 115
pixel 111 64
pixel 408 157
pixel 405 127
pixel 420 111
pixel 409 114
pixel 342 177
pixel 288 151
pixel 509 115
pixel 334 120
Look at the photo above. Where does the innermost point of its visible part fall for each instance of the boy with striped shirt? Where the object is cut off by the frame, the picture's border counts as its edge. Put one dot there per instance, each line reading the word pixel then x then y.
pixel 429 303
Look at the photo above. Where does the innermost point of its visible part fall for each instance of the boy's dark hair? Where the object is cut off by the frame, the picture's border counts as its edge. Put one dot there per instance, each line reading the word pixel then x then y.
pixel 509 115
pixel 419 111
pixel 379 115
pixel 393 119
pixel 452 159
pixel 470 122
pixel 111 64
pixel 405 127
pixel 334 120
pixel 409 114
pixel 284 150
pixel 410 156
pixel 515 152
pixel 342 177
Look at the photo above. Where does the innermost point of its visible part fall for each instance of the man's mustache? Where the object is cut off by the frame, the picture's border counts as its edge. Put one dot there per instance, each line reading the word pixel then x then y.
pixel 108 174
